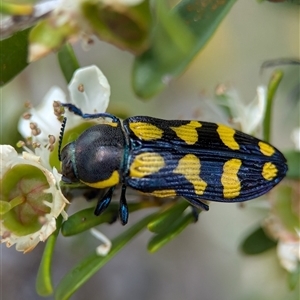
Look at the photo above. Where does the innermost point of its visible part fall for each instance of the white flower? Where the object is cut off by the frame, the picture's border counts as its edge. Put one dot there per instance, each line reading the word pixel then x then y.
pixel 288 247
pixel 89 90
pixel 289 254
pixel 248 116
pixel 31 199
pixel 283 224
pixel 295 136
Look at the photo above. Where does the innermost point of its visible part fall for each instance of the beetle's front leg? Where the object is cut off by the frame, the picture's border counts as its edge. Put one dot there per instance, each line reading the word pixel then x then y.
pixel 123 209
pixel 104 201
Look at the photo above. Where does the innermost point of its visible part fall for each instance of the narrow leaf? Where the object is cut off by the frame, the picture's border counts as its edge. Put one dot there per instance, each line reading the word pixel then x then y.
pixel 163 238
pixel 294 278
pixel 86 219
pixel 13 56
pixel 72 281
pixel 166 218
pixel 44 285
pixel 68 61
pixel 272 88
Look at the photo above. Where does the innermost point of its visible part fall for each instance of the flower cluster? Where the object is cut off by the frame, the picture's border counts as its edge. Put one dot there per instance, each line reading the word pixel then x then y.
pixel 31 198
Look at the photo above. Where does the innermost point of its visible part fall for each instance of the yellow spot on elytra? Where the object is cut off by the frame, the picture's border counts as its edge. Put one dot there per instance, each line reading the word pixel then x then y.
pixel 189 166
pixel 111 181
pixel 226 134
pixel 188 132
pixel 163 193
pixel 230 181
pixel 269 171
pixel 146 131
pixel 146 164
pixel 266 149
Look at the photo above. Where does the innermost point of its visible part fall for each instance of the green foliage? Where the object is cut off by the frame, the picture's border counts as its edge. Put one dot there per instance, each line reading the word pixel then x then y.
pixel 127 28
pixel 257 242
pixel 166 218
pixel 272 88
pixel 176 39
pixel 92 263
pixel 13 56
pixel 293 158
pixel 170 232
pixel 67 61
pixel 44 286
pixel 86 219
pixel 294 279
pixel 169 223
pixel 185 29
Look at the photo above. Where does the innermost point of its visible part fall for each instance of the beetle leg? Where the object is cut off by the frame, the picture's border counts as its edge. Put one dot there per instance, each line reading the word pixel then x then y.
pixel 195 212
pixel 77 111
pixel 104 202
pixel 197 203
pixel 123 210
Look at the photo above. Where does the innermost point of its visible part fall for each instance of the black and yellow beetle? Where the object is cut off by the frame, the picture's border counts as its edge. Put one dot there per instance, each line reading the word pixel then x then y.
pixel 165 158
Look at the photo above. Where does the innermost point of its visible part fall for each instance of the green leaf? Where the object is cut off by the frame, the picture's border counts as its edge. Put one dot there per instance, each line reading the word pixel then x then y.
pixel 169 234
pixel 13 56
pixel 16 9
pixel 127 27
pixel 294 278
pixel 293 160
pixel 72 281
pixel 68 61
pixel 44 285
pixel 86 219
pixel 176 39
pixel 272 88
pixel 166 218
pixel 257 242
pixel 284 207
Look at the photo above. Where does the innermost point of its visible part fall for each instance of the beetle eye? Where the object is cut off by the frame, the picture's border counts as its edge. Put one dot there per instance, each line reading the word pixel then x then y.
pixel 68 173
pixel 68 164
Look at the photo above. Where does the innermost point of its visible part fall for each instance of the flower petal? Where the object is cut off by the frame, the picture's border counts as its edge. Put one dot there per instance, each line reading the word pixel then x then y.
pixel 90 90
pixel 7 155
pixel 26 243
pixel 289 254
pixel 295 136
pixel 255 111
pixel 44 116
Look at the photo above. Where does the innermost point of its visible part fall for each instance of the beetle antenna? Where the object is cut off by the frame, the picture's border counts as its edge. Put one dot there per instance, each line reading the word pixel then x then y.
pixel 61 135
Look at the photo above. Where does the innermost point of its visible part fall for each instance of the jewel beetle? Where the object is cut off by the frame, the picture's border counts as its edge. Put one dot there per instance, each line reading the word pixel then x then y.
pixel 165 158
